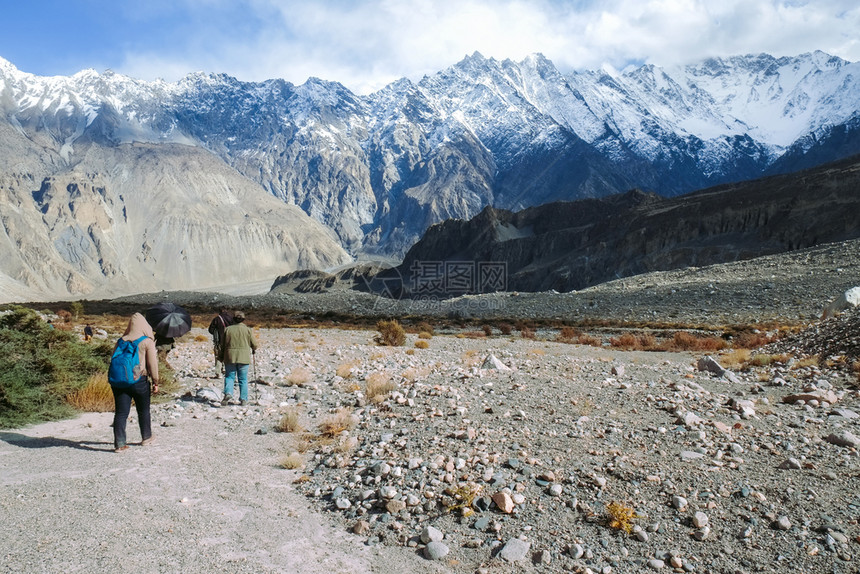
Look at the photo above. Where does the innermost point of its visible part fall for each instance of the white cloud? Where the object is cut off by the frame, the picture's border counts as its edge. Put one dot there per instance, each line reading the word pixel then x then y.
pixel 365 45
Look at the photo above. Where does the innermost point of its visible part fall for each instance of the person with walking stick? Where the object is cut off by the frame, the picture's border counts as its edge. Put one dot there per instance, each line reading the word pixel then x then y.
pixel 238 346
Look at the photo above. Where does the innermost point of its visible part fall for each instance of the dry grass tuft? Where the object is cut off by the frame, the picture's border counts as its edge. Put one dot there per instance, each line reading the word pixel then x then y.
pixel 289 421
pixel 336 423
pixel 421 344
pixel 806 362
pixel 620 517
pixel 346 370
pixel 347 445
pixel 426 328
pixel 95 397
pixel 299 376
pixel 391 334
pixel 527 332
pixel 425 335
pixel 201 338
pixel 505 328
pixel 764 359
pixel 736 358
pixel 471 358
pixel 378 386
pixel 293 461
pixel 305 443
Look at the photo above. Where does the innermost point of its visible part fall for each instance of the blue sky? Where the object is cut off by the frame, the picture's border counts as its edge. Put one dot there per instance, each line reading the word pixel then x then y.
pixel 367 44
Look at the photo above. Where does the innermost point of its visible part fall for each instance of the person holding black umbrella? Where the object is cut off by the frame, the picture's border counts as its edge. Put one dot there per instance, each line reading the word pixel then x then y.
pixel 168 321
pixel 239 344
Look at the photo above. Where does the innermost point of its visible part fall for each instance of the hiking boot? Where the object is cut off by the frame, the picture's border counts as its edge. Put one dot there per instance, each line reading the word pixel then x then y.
pixel 243 403
pixel 226 400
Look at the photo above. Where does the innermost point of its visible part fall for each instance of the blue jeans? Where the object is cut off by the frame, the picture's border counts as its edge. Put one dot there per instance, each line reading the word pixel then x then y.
pixel 122 398
pixel 234 369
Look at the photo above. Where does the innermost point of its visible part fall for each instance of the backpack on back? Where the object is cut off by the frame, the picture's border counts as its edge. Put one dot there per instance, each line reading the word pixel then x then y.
pixel 125 370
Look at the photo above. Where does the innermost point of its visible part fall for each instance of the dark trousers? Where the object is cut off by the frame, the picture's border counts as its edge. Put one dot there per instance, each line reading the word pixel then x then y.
pixel 122 398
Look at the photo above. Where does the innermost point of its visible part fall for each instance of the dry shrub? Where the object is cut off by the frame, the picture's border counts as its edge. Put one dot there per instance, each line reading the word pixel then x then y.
pixel 293 461
pixel 391 334
pixel 472 335
pixel 347 445
pixel 410 351
pixel 378 386
pixel 685 341
pixel 421 344
pixel 631 342
pixel 764 359
pixel 750 340
pixel 620 517
pixel 425 328
pixel 305 443
pixel 345 370
pixel 95 397
pixel 488 331
pixel 568 334
pixel 298 376
pixel 855 366
pixel 590 340
pixel 806 362
pixel 471 358
pixel 289 421
pixel 527 332
pixel 334 424
pixel 505 329
pixel 736 358
pixel 625 341
pixel 425 335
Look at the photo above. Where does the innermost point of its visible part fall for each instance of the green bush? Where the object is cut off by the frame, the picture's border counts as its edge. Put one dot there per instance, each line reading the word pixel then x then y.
pixel 40 366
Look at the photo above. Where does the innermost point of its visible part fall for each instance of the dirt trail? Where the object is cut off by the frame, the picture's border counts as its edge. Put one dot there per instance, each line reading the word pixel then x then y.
pixel 201 499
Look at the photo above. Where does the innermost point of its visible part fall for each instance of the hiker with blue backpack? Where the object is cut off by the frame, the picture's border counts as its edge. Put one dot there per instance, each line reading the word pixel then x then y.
pixel 133 367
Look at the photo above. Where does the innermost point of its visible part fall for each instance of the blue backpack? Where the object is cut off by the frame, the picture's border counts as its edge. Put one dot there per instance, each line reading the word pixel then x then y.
pixel 124 370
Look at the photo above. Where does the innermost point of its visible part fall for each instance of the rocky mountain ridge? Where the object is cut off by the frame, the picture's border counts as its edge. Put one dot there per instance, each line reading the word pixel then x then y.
pixel 379 169
pixel 373 172
pixel 566 246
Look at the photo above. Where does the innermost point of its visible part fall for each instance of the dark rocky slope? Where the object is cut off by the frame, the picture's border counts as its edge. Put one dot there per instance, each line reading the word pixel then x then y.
pixel 572 245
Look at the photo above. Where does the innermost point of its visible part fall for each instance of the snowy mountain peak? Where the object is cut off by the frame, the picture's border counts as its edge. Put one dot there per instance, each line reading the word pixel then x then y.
pixel 378 169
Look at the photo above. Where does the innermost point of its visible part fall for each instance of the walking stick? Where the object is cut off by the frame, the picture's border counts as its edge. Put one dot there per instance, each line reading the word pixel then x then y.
pixel 254 366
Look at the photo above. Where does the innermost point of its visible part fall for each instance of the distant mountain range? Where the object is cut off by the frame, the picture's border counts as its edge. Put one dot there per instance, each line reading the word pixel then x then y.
pixel 179 178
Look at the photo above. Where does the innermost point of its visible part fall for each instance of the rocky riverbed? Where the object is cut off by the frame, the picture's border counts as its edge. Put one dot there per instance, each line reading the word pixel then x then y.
pixel 478 453
pixel 507 454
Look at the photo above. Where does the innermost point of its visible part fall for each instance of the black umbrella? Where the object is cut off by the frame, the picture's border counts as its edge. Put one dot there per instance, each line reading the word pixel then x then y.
pixel 168 320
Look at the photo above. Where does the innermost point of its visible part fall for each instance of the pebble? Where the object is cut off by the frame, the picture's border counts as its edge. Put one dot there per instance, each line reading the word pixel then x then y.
pixel 435 551
pixel 515 550
pixel 783 523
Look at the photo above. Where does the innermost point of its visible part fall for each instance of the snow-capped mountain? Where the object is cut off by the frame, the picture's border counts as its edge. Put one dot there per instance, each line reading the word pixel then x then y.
pixel 377 170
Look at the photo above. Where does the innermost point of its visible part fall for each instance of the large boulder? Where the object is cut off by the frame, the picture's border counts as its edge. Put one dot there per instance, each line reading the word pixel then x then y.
pixel 847 300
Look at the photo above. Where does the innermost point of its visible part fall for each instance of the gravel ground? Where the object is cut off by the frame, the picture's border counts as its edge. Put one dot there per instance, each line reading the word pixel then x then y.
pixel 485 454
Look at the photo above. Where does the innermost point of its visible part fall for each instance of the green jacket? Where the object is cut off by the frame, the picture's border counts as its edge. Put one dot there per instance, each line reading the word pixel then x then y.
pixel 238 342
